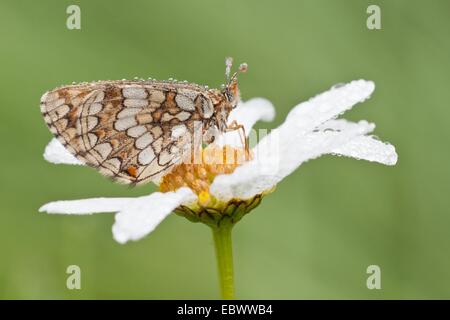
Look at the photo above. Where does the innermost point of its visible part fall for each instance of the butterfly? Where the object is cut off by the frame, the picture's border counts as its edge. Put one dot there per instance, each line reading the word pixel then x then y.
pixel 136 131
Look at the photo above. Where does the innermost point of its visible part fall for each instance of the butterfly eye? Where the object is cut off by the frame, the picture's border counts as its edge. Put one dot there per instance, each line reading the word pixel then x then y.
pixel 229 96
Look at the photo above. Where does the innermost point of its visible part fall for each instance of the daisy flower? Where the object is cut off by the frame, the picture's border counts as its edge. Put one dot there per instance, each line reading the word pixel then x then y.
pixel 220 194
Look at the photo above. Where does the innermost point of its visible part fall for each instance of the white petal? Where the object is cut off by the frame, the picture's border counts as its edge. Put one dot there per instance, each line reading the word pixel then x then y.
pixel 87 206
pixel 56 153
pixel 337 125
pixel 291 144
pixel 136 217
pixel 370 149
pixel 247 114
pixel 362 147
pixel 328 105
pixel 279 154
pixel 142 215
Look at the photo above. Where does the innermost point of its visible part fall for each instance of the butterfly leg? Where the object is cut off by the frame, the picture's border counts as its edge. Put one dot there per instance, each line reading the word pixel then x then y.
pixel 236 126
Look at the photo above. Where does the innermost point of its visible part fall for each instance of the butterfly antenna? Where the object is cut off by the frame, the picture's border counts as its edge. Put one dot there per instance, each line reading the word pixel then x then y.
pixel 242 68
pixel 228 65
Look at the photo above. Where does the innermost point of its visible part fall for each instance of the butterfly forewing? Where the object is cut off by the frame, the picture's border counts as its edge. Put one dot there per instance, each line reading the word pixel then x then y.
pixel 134 132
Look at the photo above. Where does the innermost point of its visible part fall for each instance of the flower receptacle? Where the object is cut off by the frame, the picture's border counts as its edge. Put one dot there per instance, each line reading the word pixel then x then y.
pixel 217 212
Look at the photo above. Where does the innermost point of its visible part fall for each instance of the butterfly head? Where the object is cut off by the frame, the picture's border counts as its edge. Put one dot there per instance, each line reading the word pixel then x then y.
pixel 228 98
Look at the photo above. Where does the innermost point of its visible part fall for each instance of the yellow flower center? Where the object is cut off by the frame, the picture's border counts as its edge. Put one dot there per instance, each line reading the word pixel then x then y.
pixel 198 175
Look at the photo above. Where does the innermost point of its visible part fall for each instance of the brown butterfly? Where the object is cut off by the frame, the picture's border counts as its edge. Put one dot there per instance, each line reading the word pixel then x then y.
pixel 136 131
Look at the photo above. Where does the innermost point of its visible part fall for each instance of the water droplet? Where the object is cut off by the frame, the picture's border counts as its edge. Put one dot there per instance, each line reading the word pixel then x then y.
pixel 338 85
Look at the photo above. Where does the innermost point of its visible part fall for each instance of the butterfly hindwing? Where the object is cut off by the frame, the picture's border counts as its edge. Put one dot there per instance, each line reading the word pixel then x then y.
pixel 132 132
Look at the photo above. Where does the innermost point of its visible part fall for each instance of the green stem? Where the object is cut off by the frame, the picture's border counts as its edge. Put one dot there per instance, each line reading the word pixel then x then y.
pixel 224 255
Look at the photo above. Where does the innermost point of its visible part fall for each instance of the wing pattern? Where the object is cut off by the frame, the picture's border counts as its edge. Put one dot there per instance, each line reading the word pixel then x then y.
pixel 130 131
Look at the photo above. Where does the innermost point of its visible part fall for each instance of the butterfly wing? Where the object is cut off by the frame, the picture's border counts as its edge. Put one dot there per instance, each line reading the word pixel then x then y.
pixel 132 132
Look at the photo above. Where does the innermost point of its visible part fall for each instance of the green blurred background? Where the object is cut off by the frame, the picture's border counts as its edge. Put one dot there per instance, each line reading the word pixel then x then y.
pixel 315 236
